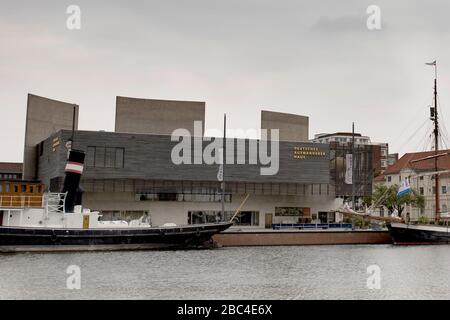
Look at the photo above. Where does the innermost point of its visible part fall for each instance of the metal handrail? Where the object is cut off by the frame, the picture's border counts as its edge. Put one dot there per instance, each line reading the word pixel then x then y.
pixel 54 202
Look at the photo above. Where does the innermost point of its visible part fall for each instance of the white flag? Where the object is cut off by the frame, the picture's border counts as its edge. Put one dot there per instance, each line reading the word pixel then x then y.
pixel 348 168
pixel 220 161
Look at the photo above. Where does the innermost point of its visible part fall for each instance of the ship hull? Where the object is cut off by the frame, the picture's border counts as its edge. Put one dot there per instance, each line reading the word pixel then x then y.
pixel 13 239
pixel 404 234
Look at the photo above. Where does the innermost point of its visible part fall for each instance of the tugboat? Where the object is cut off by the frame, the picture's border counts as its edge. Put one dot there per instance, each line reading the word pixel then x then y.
pixel 31 220
pixel 437 233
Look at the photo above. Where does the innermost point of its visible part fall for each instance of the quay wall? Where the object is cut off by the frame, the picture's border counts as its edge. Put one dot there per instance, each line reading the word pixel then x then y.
pixel 289 238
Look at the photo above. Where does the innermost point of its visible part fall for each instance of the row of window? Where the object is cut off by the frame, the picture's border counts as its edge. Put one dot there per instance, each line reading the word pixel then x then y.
pixel 433 190
pixel 292 211
pixel 9 176
pixel 21 188
pixel 187 197
pixel 105 157
pixel 339 139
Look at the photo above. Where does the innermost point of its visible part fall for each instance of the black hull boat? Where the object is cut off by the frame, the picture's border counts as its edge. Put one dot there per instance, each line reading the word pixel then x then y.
pixel 45 239
pixel 412 234
pixel 58 222
pixel 409 234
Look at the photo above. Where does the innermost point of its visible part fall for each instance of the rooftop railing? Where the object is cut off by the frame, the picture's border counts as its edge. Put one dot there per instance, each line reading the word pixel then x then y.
pixel 23 201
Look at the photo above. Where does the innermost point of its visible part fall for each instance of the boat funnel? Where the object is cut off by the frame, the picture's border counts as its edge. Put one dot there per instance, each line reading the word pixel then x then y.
pixel 73 171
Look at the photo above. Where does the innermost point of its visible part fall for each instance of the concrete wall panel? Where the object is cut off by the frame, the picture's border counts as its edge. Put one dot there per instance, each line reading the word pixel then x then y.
pixel 292 127
pixel 44 118
pixel 157 116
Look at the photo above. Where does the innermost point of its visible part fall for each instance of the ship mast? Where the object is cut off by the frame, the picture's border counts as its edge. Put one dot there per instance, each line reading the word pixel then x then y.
pixel 223 164
pixel 434 117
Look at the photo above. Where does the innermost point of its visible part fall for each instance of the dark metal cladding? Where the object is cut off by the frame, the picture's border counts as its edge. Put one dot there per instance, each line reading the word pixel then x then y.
pixel 73 171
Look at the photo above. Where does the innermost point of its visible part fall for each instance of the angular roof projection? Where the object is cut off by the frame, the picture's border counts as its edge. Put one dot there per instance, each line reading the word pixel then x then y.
pixel 135 115
pixel 292 127
pixel 44 117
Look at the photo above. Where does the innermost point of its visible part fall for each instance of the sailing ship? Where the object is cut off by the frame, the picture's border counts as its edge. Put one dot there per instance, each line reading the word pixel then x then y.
pixel 437 233
pixel 31 220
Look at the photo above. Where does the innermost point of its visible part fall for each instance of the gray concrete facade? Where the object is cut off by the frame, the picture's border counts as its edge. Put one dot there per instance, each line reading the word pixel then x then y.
pixel 292 127
pixel 44 118
pixel 148 157
pixel 152 116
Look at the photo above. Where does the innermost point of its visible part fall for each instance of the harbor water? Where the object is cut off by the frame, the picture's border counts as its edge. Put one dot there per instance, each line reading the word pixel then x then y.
pixel 300 272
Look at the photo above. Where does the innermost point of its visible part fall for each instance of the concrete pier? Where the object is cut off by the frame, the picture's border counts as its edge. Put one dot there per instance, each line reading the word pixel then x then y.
pixel 233 238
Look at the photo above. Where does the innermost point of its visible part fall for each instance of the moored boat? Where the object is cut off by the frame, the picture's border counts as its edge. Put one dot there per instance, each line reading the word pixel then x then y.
pixel 437 233
pixel 417 234
pixel 39 221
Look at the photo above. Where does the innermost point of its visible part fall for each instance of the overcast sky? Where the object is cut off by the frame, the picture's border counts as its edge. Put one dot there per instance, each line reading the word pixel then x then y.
pixel 315 58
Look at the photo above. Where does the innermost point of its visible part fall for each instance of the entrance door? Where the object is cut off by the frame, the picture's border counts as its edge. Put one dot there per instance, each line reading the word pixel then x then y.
pixel 268 221
pixel 323 217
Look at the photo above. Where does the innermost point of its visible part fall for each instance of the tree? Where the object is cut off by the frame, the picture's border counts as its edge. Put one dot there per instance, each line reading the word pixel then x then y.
pixel 387 197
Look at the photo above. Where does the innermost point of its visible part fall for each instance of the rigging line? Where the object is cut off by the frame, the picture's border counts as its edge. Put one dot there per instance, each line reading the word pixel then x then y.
pixel 444 135
pixel 427 143
pixel 423 142
pixel 444 143
pixel 443 125
pixel 412 136
pixel 415 116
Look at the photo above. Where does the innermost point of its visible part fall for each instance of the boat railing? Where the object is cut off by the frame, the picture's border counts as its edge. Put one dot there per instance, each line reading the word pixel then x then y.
pixel 21 201
pixel 54 202
pixel 302 226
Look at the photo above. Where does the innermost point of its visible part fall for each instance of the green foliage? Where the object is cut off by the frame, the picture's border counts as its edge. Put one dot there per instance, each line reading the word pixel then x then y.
pixel 347 220
pixel 423 220
pixel 387 197
pixel 367 201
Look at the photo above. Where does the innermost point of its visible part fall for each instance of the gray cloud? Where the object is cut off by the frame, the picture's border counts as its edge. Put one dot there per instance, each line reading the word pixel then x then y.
pixel 301 57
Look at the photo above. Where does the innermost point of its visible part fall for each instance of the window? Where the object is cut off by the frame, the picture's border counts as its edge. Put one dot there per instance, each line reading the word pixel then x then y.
pixel 24 188
pixel 119 158
pixel 90 157
pixel 105 157
pixel 421 191
pixel 389 178
pixel 110 157
pixel 421 178
pixel 444 189
pixel 99 157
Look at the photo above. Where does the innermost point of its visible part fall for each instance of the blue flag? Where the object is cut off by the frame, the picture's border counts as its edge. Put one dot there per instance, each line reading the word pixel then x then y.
pixel 405 188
